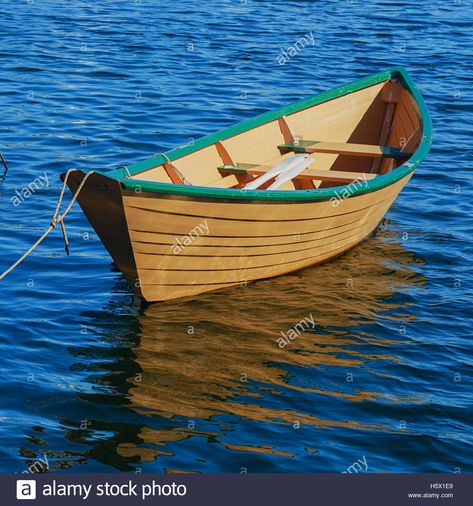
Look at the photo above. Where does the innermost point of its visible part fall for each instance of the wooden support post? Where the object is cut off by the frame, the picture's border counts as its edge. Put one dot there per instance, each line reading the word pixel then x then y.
pixel 223 153
pixel 227 160
pixel 391 94
pixel 408 147
pixel 173 175
pixel 285 130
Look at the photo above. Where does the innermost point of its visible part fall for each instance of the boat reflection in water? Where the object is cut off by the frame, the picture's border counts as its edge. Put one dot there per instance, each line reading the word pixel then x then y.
pixel 187 380
pixel 219 355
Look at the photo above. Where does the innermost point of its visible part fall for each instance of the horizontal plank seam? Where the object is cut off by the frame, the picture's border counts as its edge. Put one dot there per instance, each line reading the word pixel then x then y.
pixel 157 211
pixel 178 234
pixel 236 282
pixel 257 254
pixel 137 241
pixel 243 268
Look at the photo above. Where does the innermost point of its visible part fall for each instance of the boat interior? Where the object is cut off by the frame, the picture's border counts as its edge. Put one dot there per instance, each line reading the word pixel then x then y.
pixel 354 137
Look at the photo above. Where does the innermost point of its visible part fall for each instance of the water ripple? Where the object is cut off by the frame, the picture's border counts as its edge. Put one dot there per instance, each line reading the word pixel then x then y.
pixel 98 382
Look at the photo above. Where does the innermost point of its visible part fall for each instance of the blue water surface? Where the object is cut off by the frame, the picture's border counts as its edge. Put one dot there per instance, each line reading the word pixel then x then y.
pixel 91 380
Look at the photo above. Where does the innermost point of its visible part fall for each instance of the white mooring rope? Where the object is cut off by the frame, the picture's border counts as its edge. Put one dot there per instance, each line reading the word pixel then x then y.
pixel 57 218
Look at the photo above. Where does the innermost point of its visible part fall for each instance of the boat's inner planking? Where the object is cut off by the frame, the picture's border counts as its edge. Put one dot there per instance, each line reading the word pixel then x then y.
pixel 352 137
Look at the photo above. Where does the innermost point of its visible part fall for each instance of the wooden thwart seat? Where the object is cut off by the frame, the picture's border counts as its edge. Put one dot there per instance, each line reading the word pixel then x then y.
pixel 307 174
pixel 341 148
pixel 239 175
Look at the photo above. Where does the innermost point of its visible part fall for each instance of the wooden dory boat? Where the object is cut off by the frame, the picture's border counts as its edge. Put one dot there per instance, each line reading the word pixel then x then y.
pixel 184 223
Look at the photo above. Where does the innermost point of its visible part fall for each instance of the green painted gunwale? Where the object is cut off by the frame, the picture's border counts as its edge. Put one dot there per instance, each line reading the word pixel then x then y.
pixel 295 195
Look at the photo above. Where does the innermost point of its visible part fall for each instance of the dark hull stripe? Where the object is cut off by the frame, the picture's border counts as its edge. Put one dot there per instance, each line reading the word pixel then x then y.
pixel 248 268
pixel 341 250
pixel 195 284
pixel 180 255
pixel 200 217
pixel 173 234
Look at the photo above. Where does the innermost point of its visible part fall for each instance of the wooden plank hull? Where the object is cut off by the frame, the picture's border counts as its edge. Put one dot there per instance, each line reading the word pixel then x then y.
pixel 178 224
pixel 173 247
pixel 182 249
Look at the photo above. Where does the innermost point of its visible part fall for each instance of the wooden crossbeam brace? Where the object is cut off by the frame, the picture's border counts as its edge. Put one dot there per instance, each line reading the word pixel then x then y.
pixel 343 148
pixel 307 174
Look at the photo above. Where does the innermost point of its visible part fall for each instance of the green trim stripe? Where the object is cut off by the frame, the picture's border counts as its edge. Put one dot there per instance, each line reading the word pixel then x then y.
pixel 296 195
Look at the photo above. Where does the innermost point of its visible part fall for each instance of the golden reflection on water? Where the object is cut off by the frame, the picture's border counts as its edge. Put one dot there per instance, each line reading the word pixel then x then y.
pixel 218 354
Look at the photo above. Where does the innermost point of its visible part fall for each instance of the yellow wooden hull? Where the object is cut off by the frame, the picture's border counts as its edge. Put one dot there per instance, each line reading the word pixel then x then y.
pixel 241 244
pixel 233 243
pixel 173 239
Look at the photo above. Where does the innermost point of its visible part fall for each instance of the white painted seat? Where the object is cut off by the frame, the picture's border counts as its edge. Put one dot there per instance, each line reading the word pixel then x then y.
pixel 289 168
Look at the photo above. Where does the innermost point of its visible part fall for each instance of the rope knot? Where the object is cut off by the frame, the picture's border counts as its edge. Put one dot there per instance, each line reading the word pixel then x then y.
pixel 57 218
